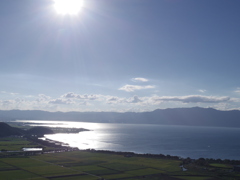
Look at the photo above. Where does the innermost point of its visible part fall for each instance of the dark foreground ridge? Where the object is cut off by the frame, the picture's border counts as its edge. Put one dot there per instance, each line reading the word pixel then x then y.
pixel 177 116
pixel 6 130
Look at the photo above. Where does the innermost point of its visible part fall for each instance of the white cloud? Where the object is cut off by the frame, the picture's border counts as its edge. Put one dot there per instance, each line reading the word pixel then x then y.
pixel 97 102
pixel 131 88
pixel 83 103
pixel 221 106
pixel 7 102
pixel 112 100
pixel 236 100
pixel 139 79
pixel 115 100
pixel 238 90
pixel 72 95
pixel 43 98
pixel 11 93
pixel 60 101
pixel 202 90
pixel 193 99
pixel 135 99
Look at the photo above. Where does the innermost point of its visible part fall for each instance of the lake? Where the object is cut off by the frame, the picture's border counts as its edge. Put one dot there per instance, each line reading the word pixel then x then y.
pixel 183 141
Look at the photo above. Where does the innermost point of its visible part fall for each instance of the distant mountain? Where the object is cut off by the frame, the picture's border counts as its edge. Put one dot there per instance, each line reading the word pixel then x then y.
pixel 177 116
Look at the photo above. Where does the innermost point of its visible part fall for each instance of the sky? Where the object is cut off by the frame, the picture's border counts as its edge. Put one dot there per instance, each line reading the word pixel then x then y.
pixel 120 55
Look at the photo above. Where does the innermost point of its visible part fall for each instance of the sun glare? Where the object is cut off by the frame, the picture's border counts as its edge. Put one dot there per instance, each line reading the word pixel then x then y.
pixel 71 7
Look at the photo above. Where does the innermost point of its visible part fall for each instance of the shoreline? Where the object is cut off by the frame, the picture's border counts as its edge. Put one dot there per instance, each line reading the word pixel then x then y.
pixel 67 148
pixel 63 145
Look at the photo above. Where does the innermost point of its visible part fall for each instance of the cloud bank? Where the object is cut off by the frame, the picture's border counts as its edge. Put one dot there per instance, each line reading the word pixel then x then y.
pixel 98 102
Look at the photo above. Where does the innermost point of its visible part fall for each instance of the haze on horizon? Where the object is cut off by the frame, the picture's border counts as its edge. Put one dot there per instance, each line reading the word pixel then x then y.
pixel 134 55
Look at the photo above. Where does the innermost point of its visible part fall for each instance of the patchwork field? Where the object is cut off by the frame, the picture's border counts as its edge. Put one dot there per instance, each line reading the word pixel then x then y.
pixel 91 165
pixel 95 165
pixel 15 144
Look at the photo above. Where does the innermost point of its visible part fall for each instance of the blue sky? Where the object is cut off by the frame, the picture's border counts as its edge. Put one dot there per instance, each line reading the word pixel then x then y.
pixel 120 55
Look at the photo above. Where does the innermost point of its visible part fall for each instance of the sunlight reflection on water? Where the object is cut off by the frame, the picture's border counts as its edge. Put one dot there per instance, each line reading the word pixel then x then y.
pixel 63 124
pixel 184 141
pixel 83 140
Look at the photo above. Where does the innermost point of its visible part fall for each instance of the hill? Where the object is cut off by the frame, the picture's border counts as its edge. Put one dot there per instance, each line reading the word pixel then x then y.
pixel 6 130
pixel 39 131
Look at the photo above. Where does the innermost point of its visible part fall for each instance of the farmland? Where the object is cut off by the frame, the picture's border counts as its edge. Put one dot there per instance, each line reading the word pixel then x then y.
pixel 90 165
pixel 99 165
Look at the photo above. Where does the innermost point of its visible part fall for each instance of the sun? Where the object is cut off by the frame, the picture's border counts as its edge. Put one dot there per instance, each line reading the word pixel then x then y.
pixel 71 7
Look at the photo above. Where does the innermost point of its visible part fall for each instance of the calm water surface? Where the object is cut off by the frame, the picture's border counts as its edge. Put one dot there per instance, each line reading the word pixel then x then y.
pixel 184 141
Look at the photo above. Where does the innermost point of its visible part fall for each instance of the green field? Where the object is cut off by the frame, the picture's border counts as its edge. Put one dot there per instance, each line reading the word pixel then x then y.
pixel 93 165
pixel 15 143
pixel 221 166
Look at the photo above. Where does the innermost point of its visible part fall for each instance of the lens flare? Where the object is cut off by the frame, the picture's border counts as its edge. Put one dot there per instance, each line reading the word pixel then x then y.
pixel 71 7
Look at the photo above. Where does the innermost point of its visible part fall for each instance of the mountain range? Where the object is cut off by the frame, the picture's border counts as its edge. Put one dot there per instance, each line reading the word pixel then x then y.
pixel 195 116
